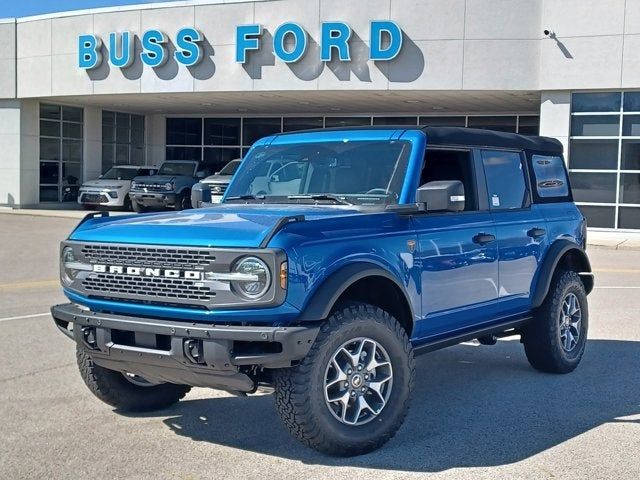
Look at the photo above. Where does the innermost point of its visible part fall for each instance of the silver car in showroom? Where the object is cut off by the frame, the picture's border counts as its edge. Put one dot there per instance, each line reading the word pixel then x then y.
pixel 111 189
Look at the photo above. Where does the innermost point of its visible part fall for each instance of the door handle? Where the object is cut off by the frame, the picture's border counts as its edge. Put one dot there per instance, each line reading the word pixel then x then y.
pixel 536 232
pixel 484 238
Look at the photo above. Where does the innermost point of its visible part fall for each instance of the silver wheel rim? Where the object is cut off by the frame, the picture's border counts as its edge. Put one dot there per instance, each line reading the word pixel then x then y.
pixel 137 380
pixel 358 381
pixel 570 322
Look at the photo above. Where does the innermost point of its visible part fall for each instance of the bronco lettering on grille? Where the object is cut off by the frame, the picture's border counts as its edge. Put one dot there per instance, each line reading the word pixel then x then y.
pixel 149 272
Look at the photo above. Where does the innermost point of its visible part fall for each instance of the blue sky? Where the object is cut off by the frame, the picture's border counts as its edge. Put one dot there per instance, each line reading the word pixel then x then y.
pixel 23 8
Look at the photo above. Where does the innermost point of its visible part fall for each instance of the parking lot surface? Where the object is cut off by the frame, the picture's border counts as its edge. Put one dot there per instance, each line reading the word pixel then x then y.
pixel 477 412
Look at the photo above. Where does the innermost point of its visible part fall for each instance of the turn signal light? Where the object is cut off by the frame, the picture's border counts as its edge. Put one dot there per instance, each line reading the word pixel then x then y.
pixel 283 275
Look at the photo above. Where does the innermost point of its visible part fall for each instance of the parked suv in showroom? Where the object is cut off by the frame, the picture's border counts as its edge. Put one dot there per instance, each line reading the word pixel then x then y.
pixel 170 187
pixel 212 188
pixel 324 280
pixel 111 189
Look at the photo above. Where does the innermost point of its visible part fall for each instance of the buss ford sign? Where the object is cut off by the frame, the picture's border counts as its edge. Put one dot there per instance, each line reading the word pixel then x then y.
pixel 290 42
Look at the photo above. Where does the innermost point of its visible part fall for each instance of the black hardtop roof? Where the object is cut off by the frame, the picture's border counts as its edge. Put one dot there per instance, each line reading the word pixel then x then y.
pixel 466 137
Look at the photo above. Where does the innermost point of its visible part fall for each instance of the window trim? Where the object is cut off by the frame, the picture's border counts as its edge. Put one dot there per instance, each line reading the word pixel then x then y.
pixel 536 197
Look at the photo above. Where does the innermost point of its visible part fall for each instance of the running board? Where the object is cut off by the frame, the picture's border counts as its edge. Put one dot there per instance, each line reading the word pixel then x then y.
pixel 498 330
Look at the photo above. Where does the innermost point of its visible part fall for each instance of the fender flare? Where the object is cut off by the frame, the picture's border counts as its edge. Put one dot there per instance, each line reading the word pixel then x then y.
pixel 326 295
pixel 550 263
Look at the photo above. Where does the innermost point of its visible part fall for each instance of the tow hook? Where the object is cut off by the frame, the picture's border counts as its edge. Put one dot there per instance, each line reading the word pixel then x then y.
pixel 488 340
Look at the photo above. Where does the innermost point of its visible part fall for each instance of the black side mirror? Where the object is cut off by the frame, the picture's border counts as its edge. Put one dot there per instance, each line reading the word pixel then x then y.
pixel 442 196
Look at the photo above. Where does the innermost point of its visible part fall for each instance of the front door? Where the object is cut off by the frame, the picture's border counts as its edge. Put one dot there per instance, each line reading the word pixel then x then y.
pixel 457 252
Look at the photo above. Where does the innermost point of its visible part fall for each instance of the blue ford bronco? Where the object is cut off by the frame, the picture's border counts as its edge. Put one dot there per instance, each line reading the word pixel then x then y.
pixel 334 257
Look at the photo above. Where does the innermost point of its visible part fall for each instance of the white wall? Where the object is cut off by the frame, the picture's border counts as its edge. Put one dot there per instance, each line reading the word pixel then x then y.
pixel 555 116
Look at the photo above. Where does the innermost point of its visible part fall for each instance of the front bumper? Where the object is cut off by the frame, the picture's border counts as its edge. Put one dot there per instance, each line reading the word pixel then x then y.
pixel 100 197
pixel 156 199
pixel 197 354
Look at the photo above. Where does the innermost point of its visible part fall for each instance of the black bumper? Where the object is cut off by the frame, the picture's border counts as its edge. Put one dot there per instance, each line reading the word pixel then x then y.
pixel 198 354
pixel 153 199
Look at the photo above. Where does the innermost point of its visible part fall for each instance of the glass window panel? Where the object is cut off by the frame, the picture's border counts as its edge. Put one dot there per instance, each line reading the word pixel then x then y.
pixel 72 114
pixel 71 173
pixel 256 128
pixel 49 111
pixel 596 102
pixel 48 194
pixel 137 122
pixel 184 131
pixel 72 150
pixel 593 154
pixel 631 126
pixel 108 118
pixel 330 122
pixel 108 134
pixel 244 152
pixel 108 156
pixel 216 158
pixel 122 135
pixel 123 120
pixel 49 149
pixel 501 124
pixel 631 101
pixel 437 121
pixel 184 153
pixel 72 130
pixel 593 187
pixel 529 125
pixel 630 188
pixel 595 125
pixel 222 131
pixel 600 217
pixel 629 217
pixel 49 172
pixel 122 154
pixel 550 176
pixel 49 128
pixel 291 124
pixel 137 155
pixel 395 120
pixel 137 137
pixel 630 155
pixel 505 179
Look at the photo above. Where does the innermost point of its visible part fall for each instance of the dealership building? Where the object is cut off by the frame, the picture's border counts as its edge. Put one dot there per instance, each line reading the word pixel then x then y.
pixel 202 80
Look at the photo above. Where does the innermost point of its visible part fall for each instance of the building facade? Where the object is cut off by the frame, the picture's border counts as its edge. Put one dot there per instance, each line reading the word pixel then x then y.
pixel 82 91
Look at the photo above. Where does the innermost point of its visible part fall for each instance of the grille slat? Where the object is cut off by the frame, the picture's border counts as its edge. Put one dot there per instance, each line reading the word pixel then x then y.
pixel 147 257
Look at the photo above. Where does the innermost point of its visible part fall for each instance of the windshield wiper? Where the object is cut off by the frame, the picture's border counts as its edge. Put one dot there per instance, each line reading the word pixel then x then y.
pixel 246 197
pixel 320 196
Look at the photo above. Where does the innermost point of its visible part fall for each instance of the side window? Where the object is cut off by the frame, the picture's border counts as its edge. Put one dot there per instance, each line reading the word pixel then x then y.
pixel 506 184
pixel 551 176
pixel 452 165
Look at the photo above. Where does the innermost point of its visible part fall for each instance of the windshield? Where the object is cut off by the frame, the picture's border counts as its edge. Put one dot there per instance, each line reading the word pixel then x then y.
pixel 119 173
pixel 354 172
pixel 230 168
pixel 177 168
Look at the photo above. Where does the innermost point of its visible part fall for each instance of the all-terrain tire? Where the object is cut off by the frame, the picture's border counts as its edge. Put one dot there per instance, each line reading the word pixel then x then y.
pixel 542 338
pixel 114 389
pixel 183 201
pixel 136 207
pixel 300 394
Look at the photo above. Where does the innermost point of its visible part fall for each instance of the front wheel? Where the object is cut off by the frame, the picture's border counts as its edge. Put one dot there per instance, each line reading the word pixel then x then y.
pixel 138 207
pixel 351 393
pixel 555 340
pixel 126 392
pixel 183 201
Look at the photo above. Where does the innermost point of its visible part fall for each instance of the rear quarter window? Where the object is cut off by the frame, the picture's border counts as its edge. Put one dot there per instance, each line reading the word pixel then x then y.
pixel 550 176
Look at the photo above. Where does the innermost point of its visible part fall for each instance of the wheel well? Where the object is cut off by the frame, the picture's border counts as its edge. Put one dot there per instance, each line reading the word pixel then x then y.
pixel 574 260
pixel 380 292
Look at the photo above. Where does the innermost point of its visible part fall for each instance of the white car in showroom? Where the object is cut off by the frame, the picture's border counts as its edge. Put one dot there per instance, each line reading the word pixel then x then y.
pixel 111 189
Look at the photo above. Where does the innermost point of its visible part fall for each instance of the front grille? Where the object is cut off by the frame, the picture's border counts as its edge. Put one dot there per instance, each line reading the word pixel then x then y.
pixel 152 288
pixel 184 258
pixel 218 188
pixel 151 187
pixel 93 198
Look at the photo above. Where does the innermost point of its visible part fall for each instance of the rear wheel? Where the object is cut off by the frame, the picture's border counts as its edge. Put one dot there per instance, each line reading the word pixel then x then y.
pixel 351 393
pixel 127 392
pixel 555 340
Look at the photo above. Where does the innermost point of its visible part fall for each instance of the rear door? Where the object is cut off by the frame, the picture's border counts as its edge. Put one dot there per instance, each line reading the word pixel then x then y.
pixel 457 251
pixel 520 226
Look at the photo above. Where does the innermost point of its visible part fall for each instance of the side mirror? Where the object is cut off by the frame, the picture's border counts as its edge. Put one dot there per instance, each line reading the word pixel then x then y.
pixel 442 196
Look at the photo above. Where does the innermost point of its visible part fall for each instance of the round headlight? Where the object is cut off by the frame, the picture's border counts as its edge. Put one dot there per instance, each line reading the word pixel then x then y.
pixel 67 275
pixel 134 184
pixel 168 186
pixel 258 278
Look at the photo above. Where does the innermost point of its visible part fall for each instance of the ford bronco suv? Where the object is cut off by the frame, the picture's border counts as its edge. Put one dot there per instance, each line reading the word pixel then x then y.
pixel 170 187
pixel 324 279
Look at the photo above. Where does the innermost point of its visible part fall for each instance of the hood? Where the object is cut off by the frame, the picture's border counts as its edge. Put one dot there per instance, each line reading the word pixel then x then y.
pixel 159 179
pixel 100 183
pixel 230 225
pixel 219 179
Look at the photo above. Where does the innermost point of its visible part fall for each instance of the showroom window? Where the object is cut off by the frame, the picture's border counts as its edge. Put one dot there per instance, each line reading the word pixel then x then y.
pixel 61 131
pixel 604 157
pixel 122 139
pixel 215 141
